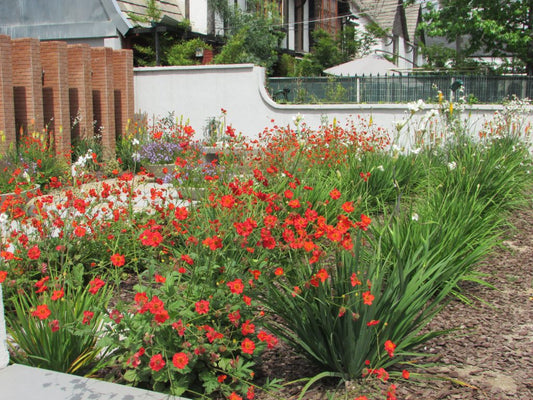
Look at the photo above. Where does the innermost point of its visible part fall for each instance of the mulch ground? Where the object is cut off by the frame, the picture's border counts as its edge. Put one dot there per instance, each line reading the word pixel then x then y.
pixel 489 356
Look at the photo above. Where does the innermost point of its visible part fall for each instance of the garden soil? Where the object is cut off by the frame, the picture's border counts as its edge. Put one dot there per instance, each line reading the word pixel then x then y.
pixel 488 357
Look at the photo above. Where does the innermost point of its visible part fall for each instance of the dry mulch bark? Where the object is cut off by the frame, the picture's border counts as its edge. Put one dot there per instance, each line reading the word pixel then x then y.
pixel 490 356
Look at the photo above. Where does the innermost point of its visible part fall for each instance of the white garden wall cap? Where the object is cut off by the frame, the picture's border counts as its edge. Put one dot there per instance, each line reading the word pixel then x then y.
pixel 198 68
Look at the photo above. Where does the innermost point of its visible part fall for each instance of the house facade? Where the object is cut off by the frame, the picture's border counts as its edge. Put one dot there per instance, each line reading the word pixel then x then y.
pixel 397 24
pixel 117 23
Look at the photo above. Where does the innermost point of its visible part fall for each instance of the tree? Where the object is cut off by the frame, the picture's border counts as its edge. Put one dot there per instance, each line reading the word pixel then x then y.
pixel 500 28
pixel 251 37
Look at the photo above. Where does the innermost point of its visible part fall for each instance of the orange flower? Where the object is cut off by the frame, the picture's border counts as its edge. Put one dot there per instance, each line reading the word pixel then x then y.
pixel 180 360
pixel 57 294
pixel 118 260
pixel 389 348
pixel 335 194
pixel 3 275
pixel 41 311
pixel 368 298
pixel 348 207
pixel 247 346
pixel 236 286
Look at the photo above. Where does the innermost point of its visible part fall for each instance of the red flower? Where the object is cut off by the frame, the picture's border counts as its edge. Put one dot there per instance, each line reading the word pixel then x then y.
pixel 95 285
pixel 40 284
pixel 247 327
pixel 372 323
pixel 236 286
pixel 118 260
pixel 87 317
pixel 57 294
pixel 54 325
pixel 389 348
pixel 41 311
pixel 140 298
pixel 181 213
pixel 278 271
pixel 3 275
pixel 250 394
pixel 160 279
pixel 150 238
pixel 294 203
pixel 178 326
pixel 34 253
pixel 322 274
pixel 368 298
pixel 234 317
pixel 80 231
pixel 116 316
pixel 180 360
pixel 202 307
pixel 227 201
pixel 213 242
pixel 354 280
pixel 348 207
pixel 187 259
pixel 334 194
pixel 234 396
pixel 247 346
pixel 156 362
pixel 405 374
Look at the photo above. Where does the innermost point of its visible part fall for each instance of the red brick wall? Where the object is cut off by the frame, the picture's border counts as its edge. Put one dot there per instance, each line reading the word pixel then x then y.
pixel 123 89
pixel 80 91
pixel 54 60
pixel 27 84
pixel 7 108
pixel 60 86
pixel 104 97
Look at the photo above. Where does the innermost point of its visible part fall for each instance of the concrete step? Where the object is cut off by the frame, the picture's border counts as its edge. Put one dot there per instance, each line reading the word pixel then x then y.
pixel 20 382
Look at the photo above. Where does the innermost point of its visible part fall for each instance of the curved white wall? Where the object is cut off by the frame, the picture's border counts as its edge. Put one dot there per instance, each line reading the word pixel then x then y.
pixel 199 92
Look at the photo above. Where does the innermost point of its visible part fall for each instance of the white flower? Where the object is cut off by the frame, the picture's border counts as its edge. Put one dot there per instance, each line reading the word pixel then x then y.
pixel 416 151
pixel 380 167
pixel 414 217
pixel 452 165
pixel 135 142
pixel 416 106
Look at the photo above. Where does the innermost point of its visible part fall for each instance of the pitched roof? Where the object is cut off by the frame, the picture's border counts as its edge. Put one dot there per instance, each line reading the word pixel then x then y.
pixel 136 10
pixel 382 12
pixel 412 14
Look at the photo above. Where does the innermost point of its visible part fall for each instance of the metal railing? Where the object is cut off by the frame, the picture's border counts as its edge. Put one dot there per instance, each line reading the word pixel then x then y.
pixel 398 89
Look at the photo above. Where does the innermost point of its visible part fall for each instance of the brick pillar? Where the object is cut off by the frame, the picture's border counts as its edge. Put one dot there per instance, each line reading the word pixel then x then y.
pixel 123 81
pixel 208 56
pixel 80 91
pixel 27 84
pixel 104 97
pixel 56 109
pixel 8 133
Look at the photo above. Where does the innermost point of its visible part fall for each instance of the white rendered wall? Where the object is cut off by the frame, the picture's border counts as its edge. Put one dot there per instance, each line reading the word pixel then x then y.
pixel 4 354
pixel 199 92
pixel 198 16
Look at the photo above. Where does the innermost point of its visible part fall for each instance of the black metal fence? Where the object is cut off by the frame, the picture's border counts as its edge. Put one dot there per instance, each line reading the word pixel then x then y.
pixel 399 89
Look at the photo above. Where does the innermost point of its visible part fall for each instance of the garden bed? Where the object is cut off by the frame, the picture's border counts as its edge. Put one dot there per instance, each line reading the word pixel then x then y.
pixel 489 358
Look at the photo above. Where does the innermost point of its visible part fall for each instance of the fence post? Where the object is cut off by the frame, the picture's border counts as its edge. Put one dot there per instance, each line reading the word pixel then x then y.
pixel 358 90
